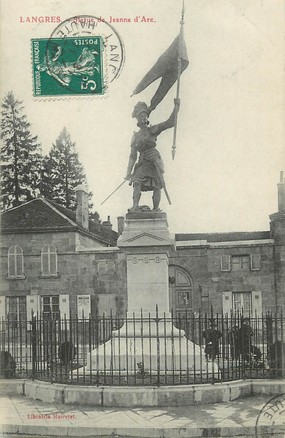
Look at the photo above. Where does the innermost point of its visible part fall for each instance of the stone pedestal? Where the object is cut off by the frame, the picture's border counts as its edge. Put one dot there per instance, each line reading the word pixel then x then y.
pixel 148 340
pixel 147 242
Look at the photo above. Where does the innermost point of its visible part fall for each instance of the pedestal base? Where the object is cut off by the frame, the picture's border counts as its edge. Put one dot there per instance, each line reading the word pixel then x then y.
pixel 148 342
pixel 149 347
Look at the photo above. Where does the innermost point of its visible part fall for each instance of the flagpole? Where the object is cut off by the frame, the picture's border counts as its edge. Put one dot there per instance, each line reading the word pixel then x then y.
pixel 178 80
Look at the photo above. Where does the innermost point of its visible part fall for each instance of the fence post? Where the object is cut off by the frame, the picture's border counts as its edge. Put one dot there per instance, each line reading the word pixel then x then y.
pixel 34 345
pixel 282 322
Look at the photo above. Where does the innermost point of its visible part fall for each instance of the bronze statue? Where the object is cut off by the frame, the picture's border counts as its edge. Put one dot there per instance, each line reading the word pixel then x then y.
pixel 149 169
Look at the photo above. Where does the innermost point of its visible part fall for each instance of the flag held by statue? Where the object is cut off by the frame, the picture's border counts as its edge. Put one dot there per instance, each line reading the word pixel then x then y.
pixel 167 68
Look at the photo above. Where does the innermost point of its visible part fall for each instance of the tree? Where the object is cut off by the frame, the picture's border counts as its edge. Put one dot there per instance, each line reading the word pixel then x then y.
pixel 94 216
pixel 20 153
pixel 62 172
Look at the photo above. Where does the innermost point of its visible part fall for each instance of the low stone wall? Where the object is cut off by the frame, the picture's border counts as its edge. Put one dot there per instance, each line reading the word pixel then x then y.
pixel 140 396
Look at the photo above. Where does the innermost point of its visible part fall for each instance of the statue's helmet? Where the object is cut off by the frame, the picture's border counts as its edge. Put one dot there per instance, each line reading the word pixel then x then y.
pixel 140 107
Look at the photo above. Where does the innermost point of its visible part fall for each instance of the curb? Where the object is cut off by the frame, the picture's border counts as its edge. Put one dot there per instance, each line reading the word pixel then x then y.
pixel 141 432
pixel 171 396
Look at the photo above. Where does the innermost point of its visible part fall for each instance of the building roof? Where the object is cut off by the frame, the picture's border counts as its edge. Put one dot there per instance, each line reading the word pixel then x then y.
pixel 224 237
pixel 41 215
pixel 65 211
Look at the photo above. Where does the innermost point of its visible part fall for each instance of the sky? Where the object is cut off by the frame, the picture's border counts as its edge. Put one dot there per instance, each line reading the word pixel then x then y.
pixel 230 134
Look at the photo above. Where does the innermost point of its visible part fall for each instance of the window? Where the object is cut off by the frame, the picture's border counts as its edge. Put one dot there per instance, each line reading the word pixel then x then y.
pixel 250 303
pixel 50 307
pixel 240 263
pixel 106 267
pixel 237 263
pixel 49 260
pixel 242 303
pixel 183 298
pixel 16 308
pixel 15 262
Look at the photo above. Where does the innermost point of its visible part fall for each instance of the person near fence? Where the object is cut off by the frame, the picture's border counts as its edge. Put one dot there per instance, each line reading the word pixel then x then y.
pixel 66 352
pixel 7 365
pixel 212 336
pixel 245 339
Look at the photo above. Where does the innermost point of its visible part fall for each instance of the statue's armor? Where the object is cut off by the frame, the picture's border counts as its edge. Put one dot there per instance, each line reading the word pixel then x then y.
pixel 147 174
pixel 149 168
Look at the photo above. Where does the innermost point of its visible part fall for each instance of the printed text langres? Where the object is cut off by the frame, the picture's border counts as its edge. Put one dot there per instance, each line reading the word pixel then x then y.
pixel 94 20
pixel 40 19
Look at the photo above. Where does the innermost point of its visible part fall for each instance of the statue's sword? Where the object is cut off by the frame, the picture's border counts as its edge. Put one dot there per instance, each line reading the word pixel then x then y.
pixel 162 182
pixel 113 192
pixel 166 193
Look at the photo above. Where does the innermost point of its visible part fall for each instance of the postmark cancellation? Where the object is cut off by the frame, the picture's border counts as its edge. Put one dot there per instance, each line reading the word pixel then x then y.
pixel 82 56
pixel 271 418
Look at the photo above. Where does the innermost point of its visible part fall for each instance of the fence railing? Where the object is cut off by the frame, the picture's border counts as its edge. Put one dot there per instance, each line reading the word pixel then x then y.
pixel 145 350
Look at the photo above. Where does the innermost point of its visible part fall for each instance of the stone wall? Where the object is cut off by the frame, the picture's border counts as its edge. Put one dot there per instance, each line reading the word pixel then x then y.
pixel 101 272
pixel 243 280
pixel 209 281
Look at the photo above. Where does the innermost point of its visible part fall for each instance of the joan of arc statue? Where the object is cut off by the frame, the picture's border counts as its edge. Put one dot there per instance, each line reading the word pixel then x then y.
pixel 146 174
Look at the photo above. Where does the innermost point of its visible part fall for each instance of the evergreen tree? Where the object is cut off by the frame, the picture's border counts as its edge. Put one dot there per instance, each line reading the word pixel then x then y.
pixel 20 154
pixel 94 216
pixel 62 172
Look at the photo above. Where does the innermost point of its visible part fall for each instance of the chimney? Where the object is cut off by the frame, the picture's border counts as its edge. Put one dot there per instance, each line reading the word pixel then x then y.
pixel 107 223
pixel 281 193
pixel 121 224
pixel 82 213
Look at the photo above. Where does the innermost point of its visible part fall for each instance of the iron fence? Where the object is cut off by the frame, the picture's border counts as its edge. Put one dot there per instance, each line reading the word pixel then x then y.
pixel 145 350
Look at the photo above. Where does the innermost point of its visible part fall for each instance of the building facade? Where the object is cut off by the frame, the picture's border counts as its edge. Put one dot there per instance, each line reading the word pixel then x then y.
pixel 56 262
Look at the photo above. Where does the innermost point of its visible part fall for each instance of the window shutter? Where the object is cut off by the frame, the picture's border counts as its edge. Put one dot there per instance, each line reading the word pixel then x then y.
pixel 33 305
pixel 256 298
pixel 255 264
pixel 83 306
pixel 226 263
pixel 64 306
pixel 227 303
pixel 64 310
pixel 2 310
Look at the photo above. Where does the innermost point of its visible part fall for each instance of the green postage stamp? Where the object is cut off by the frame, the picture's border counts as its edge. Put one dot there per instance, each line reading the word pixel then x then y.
pixel 68 66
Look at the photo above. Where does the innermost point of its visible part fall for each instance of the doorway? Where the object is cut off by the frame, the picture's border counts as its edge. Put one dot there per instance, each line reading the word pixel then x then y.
pixel 180 291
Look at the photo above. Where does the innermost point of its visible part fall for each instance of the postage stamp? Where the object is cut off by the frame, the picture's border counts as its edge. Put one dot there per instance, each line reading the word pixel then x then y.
pixel 271 418
pixel 82 56
pixel 68 66
pixel 87 25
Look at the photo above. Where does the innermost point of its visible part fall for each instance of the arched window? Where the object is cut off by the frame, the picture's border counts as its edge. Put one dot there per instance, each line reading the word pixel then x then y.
pixel 15 262
pixel 49 260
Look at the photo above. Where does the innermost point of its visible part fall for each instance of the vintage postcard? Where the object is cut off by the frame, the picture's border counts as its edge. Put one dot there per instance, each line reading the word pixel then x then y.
pixel 76 66
pixel 142 159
